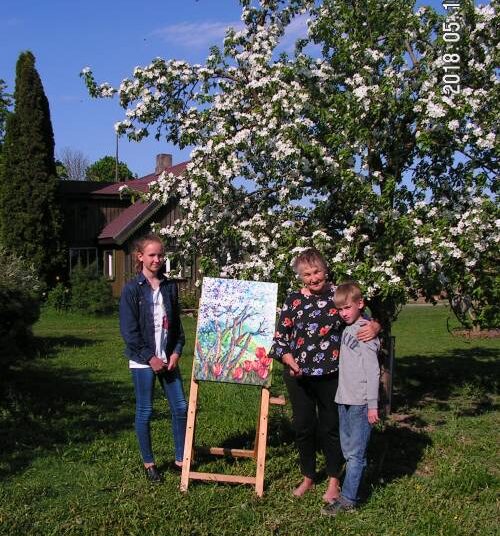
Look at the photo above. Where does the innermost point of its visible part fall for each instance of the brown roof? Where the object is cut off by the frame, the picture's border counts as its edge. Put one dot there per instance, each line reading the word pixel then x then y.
pixel 142 184
pixel 128 221
pixel 113 188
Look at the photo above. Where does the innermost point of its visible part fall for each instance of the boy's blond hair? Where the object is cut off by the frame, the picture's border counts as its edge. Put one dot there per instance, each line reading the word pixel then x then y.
pixel 349 291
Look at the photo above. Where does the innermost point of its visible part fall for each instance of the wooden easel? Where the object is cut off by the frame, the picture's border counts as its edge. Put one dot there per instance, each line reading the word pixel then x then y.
pixel 258 453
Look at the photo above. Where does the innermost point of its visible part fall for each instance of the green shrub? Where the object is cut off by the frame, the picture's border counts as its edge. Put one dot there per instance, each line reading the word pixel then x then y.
pixel 188 299
pixel 19 307
pixel 59 298
pixel 90 292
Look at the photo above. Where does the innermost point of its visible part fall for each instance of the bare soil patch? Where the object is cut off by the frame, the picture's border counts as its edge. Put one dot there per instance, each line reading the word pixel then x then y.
pixel 477 334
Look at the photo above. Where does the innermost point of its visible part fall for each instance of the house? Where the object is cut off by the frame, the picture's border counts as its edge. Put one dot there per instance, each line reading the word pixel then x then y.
pixel 100 226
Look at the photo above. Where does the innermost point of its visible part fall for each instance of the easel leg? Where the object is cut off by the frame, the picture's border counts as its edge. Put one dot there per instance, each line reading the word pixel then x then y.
pixel 261 444
pixel 188 443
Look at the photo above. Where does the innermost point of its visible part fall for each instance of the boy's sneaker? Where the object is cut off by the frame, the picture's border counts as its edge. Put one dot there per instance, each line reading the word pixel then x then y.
pixel 152 474
pixel 336 507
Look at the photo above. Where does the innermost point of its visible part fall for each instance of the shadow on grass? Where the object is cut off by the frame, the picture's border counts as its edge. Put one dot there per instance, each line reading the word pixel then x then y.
pixel 43 408
pixel 461 380
pixel 393 453
pixel 50 346
pixel 279 434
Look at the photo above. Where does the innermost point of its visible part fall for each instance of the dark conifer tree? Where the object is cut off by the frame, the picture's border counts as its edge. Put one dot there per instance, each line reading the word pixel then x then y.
pixel 30 215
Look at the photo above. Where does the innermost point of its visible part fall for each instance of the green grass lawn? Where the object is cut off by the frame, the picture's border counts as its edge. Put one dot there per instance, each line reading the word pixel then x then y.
pixel 69 463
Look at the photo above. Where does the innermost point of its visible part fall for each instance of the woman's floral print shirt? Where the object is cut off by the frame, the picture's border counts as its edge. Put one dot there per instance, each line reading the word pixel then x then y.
pixel 310 329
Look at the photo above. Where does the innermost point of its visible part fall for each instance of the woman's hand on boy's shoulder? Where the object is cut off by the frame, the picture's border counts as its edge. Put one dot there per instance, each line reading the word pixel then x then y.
pixel 369 330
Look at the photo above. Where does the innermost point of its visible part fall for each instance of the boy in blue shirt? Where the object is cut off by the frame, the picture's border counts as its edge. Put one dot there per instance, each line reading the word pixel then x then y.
pixel 357 395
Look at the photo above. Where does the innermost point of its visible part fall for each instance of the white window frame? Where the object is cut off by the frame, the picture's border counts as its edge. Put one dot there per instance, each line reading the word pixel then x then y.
pixel 109 264
pixel 80 250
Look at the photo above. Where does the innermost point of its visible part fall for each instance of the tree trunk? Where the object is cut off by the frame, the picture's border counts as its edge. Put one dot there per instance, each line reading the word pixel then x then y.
pixel 383 314
pixel 386 360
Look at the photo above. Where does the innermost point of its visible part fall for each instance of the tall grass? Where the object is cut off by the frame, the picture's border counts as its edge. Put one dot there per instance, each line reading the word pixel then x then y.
pixel 69 463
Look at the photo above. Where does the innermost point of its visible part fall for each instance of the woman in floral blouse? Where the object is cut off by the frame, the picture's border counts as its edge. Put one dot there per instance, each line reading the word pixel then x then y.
pixel 307 343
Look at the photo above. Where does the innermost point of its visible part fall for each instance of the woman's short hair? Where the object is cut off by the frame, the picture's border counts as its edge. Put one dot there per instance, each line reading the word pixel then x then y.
pixel 309 256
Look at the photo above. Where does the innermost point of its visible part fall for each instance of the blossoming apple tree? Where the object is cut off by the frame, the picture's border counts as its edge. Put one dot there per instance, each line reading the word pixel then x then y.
pixel 354 143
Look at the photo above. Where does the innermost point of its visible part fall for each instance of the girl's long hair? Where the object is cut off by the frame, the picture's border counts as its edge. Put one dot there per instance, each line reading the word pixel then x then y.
pixel 139 246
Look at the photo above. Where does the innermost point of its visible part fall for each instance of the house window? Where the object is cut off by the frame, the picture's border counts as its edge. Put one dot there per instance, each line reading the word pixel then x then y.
pixel 183 271
pixel 84 257
pixel 187 269
pixel 109 264
pixel 168 264
pixel 129 266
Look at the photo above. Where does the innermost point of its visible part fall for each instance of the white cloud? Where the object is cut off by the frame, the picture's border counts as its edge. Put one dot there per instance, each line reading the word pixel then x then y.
pixel 196 34
pixel 202 35
pixel 297 29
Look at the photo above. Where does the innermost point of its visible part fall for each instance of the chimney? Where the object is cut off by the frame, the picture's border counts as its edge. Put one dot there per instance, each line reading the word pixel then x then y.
pixel 163 162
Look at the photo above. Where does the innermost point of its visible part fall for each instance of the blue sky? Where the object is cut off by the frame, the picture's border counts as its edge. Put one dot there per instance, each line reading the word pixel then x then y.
pixel 111 38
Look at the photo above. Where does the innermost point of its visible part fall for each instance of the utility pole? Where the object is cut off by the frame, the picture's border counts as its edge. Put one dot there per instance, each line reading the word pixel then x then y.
pixel 116 159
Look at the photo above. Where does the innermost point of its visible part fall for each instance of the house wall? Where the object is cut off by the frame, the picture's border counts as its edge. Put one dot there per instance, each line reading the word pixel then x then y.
pixel 84 219
pixel 121 278
pixel 85 216
pixel 165 216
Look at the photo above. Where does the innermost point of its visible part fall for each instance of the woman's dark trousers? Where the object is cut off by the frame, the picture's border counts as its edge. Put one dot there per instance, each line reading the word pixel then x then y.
pixel 315 418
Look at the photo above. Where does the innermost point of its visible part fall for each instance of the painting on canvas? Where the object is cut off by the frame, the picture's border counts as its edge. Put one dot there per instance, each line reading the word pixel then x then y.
pixel 236 322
